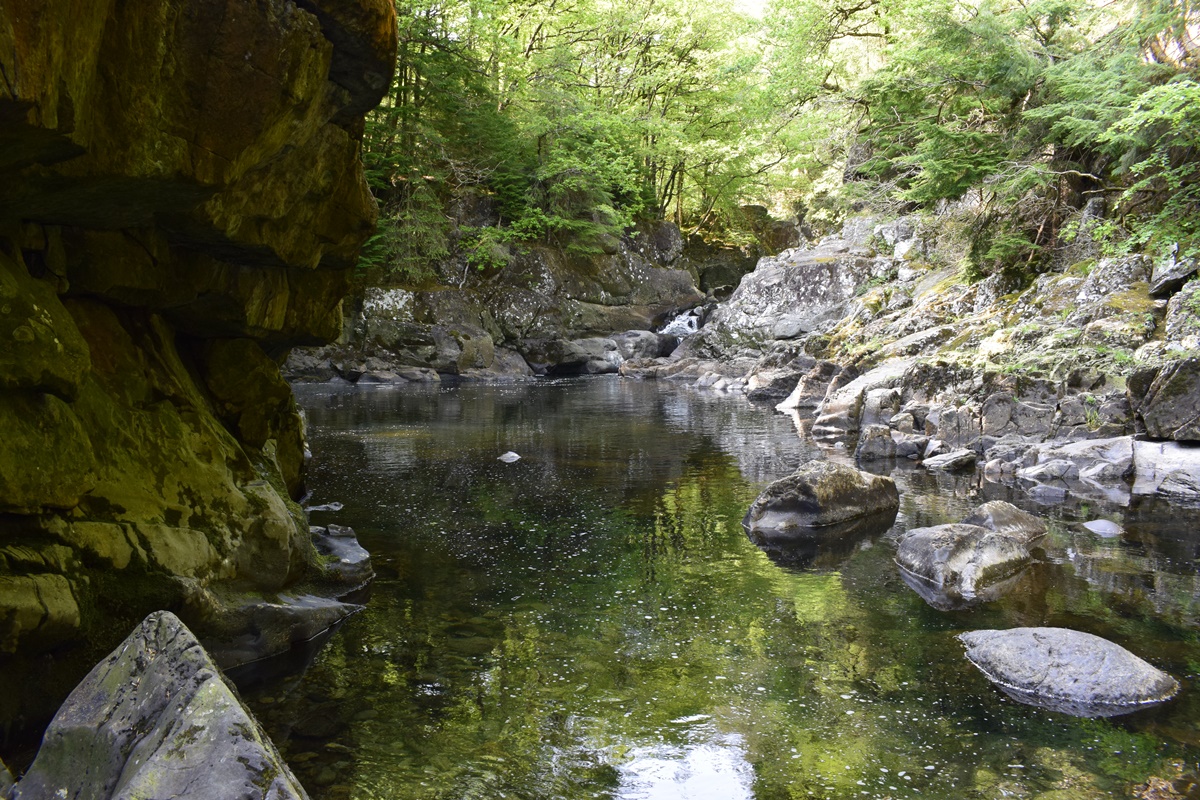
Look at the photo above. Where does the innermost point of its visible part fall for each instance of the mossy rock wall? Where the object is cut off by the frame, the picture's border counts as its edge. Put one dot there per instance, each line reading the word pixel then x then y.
pixel 183 201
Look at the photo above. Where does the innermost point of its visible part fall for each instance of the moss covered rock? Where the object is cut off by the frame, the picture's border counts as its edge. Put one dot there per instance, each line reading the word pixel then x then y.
pixel 822 493
pixel 157 719
pixel 183 201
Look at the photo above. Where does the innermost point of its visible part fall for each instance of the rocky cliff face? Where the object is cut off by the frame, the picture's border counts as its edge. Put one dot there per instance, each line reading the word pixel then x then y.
pixel 182 202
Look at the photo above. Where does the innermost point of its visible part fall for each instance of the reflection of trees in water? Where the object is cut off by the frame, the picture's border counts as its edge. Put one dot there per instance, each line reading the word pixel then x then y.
pixel 538 624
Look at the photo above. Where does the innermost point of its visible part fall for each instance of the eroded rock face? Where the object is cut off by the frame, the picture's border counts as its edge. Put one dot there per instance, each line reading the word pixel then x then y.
pixel 1068 671
pixel 821 493
pixel 1171 409
pixel 551 308
pixel 183 202
pixel 156 719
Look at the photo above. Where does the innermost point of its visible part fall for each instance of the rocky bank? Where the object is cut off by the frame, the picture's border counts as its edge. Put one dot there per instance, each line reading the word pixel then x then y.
pixel 1083 379
pixel 536 310
pixel 183 201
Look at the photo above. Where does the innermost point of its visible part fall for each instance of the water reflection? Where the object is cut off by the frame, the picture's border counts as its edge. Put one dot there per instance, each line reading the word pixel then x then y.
pixel 592 621
pixel 713 767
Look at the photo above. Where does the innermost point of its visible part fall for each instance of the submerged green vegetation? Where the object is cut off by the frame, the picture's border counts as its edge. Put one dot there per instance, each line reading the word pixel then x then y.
pixel 516 121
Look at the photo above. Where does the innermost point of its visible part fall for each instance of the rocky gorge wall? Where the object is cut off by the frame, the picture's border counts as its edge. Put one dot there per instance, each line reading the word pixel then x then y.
pixel 182 202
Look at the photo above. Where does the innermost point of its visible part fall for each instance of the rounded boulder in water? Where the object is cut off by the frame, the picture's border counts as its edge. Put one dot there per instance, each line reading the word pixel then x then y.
pixel 822 493
pixel 1068 671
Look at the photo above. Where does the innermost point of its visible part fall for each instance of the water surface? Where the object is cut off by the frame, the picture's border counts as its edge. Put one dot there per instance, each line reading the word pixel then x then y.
pixel 591 620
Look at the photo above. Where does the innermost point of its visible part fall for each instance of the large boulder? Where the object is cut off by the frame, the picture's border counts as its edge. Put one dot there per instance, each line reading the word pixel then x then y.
pixel 1171 409
pixel 818 494
pixel 960 565
pixel 1168 469
pixel 156 719
pixel 1068 671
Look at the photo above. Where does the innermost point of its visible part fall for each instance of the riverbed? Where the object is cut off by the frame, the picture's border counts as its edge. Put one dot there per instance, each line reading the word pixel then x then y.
pixel 592 621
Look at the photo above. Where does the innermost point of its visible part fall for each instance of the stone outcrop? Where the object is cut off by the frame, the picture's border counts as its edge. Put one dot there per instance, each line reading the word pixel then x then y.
pixel 183 202
pixel 1171 408
pixel 1068 671
pixel 818 494
pixel 156 719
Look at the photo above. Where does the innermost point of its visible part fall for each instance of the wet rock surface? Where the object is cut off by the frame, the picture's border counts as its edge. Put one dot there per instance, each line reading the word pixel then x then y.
pixel 818 494
pixel 960 564
pixel 1068 671
pixel 156 719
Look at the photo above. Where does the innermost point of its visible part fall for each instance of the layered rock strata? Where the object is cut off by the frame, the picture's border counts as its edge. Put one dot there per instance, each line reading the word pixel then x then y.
pixel 183 201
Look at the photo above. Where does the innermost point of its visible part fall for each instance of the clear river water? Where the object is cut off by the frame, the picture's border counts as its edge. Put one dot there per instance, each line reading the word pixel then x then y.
pixel 591 621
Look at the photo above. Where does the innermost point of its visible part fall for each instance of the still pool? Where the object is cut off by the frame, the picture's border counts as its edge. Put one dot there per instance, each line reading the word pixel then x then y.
pixel 592 621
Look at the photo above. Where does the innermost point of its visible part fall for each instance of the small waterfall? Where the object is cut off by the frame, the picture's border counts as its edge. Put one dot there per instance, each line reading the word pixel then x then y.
pixel 683 324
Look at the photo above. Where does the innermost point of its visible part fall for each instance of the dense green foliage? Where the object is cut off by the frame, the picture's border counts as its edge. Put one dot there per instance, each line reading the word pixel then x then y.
pixel 524 120
pixel 1033 109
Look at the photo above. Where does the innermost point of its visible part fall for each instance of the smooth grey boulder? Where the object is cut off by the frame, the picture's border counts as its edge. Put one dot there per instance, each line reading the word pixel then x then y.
pixel 1003 517
pixel 639 344
pixel 821 493
pixel 960 565
pixel 1168 469
pixel 156 719
pixel 952 461
pixel 875 442
pixel 1068 671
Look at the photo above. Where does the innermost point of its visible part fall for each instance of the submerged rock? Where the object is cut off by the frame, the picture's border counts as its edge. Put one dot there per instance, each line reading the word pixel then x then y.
pixel 821 493
pixel 1068 671
pixel 1104 528
pixel 250 629
pixel 960 565
pixel 157 719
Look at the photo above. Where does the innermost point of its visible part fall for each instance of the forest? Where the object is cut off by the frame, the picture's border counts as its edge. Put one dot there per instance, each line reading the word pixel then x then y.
pixel 580 117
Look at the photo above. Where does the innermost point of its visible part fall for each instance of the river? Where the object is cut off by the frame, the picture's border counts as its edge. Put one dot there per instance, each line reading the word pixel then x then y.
pixel 591 621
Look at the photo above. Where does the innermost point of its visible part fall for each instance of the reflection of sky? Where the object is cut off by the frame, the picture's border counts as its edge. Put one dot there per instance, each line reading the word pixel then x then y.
pixel 711 767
